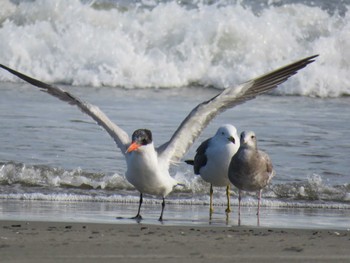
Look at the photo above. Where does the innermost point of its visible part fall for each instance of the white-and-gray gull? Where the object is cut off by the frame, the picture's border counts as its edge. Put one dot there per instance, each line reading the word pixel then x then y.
pixel 250 168
pixel 213 158
pixel 147 165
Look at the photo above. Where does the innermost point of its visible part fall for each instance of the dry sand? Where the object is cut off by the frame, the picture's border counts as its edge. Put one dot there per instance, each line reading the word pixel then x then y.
pixel 80 242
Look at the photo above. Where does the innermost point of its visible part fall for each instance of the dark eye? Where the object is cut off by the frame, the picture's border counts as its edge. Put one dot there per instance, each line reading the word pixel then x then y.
pixel 252 137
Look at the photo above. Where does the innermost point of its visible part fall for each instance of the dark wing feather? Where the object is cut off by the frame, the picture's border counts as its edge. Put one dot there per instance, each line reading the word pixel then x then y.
pixel 200 159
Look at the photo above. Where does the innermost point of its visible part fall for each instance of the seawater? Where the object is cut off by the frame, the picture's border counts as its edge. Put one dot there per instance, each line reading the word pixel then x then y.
pixel 145 73
pixel 51 151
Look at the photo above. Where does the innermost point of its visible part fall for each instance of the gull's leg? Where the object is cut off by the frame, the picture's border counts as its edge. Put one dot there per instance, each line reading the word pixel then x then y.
pixel 228 209
pixel 239 206
pixel 239 201
pixel 138 216
pixel 211 209
pixel 161 214
pixel 259 198
pixel 258 213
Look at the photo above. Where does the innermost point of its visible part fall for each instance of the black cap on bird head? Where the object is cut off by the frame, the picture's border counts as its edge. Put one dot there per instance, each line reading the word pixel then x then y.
pixel 140 137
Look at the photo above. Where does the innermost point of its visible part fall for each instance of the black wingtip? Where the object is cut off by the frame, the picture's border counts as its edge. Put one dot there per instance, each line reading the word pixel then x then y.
pixel 26 78
pixel 311 57
pixel 274 78
pixel 308 60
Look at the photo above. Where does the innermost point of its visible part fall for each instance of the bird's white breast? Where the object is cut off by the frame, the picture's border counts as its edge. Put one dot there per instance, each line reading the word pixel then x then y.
pixel 147 174
pixel 218 160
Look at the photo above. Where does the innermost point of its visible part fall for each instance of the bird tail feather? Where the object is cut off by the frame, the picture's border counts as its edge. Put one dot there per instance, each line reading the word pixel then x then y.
pixel 190 162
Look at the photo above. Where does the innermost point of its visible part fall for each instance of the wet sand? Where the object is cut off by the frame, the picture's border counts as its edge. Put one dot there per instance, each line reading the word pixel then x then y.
pixel 22 241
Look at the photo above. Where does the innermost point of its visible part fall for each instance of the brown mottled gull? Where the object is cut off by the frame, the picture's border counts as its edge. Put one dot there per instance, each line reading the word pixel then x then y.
pixel 250 169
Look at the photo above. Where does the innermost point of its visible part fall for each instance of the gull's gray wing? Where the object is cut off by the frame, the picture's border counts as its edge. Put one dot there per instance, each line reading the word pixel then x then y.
pixel 120 136
pixel 200 116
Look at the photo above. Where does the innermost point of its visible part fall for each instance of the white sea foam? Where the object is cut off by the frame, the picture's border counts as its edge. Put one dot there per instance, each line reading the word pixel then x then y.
pixel 172 45
pixel 198 200
pixel 21 182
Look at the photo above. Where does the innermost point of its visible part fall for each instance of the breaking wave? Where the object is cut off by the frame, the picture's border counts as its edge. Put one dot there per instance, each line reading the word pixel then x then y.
pixel 22 182
pixel 171 44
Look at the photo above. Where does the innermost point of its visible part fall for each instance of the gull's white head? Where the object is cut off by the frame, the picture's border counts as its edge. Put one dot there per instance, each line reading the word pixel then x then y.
pixel 226 133
pixel 248 139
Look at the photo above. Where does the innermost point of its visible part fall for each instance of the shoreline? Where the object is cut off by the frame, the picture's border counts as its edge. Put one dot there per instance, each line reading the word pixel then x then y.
pixel 35 241
pixel 174 215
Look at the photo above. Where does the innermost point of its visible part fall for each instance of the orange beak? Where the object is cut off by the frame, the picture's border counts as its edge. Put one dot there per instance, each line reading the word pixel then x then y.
pixel 134 146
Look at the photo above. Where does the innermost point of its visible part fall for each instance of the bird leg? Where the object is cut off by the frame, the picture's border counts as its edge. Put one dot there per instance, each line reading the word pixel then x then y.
pixel 239 206
pixel 259 198
pixel 161 214
pixel 211 209
pixel 258 213
pixel 228 209
pixel 138 216
pixel 239 201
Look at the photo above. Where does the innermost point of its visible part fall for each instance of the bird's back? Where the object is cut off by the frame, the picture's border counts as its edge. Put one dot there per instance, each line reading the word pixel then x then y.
pixel 250 169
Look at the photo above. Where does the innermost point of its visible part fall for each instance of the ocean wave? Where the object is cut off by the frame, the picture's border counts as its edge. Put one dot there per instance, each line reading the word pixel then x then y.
pixel 44 176
pixel 147 44
pixel 25 182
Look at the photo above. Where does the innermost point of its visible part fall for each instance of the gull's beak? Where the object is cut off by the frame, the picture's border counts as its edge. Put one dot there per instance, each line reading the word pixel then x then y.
pixel 134 146
pixel 232 139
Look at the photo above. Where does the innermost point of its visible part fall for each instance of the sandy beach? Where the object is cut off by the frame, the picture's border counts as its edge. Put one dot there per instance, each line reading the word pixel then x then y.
pixel 22 241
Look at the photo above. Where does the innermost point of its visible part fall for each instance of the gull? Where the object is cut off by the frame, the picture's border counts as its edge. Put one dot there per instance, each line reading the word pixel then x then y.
pixel 147 165
pixel 250 168
pixel 213 158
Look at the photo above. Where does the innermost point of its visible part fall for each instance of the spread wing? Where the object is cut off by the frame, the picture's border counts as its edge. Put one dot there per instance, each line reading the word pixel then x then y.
pixel 200 116
pixel 120 136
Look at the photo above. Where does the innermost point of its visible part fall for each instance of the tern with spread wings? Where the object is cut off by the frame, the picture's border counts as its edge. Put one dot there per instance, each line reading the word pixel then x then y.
pixel 147 165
